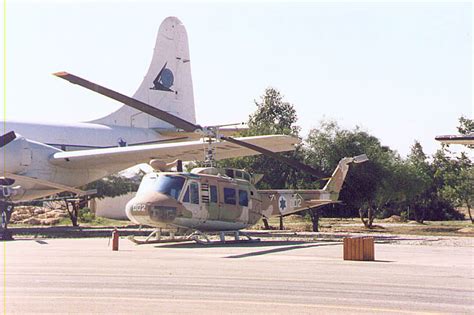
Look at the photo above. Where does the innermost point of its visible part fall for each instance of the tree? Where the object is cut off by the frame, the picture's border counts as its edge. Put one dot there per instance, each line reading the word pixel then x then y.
pixel 272 116
pixel 458 183
pixel 110 186
pixel 367 184
pixel 115 185
pixel 422 190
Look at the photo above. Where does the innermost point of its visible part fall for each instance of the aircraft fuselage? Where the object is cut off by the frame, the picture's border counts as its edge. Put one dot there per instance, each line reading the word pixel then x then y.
pixel 77 136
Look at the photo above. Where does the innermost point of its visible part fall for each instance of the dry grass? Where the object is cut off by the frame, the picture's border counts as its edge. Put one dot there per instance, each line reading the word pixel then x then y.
pixel 436 228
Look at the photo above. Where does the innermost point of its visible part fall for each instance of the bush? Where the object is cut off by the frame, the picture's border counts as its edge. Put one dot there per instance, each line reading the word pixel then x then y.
pixel 86 215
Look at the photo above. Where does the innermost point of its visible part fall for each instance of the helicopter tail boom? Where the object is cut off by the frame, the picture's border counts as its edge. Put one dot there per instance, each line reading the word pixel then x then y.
pixel 286 201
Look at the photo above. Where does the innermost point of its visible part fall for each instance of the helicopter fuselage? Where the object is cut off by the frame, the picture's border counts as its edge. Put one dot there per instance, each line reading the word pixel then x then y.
pixel 204 202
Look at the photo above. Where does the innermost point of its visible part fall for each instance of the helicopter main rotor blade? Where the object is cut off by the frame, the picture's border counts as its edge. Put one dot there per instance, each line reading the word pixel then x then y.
pixel 7 138
pixel 179 122
pixel 293 163
pixel 139 105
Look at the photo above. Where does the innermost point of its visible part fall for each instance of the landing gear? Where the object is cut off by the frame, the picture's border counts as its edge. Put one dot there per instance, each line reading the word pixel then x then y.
pixel 156 237
pixel 199 237
pixel 222 240
pixel 6 209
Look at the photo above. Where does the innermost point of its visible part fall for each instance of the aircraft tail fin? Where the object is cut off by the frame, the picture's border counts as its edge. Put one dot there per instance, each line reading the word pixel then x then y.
pixel 167 84
pixel 334 185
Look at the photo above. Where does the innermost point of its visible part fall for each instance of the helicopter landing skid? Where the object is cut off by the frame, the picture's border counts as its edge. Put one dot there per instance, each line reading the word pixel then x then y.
pixel 203 239
pixel 155 237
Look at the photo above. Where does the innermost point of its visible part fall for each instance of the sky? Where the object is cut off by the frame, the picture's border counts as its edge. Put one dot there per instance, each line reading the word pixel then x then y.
pixel 400 71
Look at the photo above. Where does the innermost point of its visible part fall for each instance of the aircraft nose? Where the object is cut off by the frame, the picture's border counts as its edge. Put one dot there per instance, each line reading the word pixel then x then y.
pixel 155 207
pixel 165 209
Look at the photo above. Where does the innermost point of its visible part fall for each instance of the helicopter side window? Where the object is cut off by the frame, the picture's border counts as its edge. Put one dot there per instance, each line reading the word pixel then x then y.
pixel 243 198
pixel 194 193
pixel 186 195
pixel 229 196
pixel 213 192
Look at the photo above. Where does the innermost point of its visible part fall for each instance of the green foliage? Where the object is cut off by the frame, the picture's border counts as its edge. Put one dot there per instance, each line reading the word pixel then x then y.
pixel 466 126
pixel 85 215
pixel 114 185
pixel 456 179
pixel 415 187
pixel 273 116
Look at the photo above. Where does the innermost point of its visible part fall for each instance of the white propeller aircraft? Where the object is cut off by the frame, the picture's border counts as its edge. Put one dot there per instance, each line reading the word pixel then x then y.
pixel 40 159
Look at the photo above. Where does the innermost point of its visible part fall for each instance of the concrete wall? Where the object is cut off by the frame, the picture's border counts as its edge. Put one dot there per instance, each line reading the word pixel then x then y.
pixel 112 208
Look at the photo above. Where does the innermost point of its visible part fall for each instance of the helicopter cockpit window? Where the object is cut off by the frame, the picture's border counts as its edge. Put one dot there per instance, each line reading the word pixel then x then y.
pixel 166 184
pixel 229 196
pixel 243 198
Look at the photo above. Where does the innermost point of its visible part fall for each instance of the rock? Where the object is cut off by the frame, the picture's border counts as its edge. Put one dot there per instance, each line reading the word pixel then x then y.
pixel 466 230
pixel 33 221
pixel 394 219
pixel 39 211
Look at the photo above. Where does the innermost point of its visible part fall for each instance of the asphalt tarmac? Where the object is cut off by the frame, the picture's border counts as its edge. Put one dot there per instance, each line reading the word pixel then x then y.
pixel 86 276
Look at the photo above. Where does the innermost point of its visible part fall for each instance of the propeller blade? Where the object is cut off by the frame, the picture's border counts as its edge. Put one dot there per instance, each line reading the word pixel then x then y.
pixel 139 105
pixel 293 163
pixel 7 138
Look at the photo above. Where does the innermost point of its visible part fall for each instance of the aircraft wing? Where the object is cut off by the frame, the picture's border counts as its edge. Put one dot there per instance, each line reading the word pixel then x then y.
pixel 457 139
pixel 167 152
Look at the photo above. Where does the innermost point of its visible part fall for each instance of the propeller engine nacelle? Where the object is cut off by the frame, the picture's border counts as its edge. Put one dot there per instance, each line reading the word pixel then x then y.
pixel 18 153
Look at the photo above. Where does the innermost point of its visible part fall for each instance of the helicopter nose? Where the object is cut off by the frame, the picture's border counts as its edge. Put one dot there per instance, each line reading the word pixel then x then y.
pixel 155 207
pixel 164 209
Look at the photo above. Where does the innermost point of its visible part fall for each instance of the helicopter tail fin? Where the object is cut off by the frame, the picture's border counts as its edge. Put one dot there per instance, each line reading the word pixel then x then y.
pixel 334 185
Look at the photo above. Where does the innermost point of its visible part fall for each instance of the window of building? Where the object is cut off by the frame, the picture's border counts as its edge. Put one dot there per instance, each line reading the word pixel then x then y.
pixel 229 196
pixel 243 198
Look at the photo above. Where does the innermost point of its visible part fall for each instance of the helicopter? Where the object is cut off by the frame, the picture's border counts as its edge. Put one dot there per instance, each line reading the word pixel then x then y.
pixel 213 199
pixel 223 200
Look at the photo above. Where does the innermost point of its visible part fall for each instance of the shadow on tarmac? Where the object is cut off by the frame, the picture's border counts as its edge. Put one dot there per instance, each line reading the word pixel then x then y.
pixel 285 246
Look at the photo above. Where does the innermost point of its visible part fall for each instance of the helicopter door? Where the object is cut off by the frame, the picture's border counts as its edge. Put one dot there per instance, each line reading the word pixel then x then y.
pixel 210 199
pixel 193 202
pixel 229 208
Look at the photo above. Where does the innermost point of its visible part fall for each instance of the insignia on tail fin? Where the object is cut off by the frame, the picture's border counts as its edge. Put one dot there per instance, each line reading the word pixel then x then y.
pixel 167 85
pixel 164 80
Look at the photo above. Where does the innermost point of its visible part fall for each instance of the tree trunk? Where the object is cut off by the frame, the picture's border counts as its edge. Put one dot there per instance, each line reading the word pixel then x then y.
pixel 314 214
pixel 370 217
pixel 265 223
pixel 73 213
pixel 469 212
pixel 419 215
pixel 281 223
pixel 362 217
